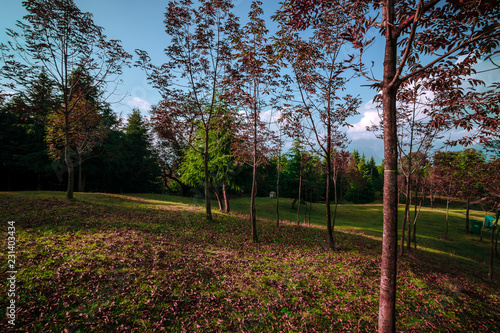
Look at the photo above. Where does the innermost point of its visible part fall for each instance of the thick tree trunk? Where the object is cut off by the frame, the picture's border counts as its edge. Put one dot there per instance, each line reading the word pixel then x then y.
pixel 387 304
pixel 208 207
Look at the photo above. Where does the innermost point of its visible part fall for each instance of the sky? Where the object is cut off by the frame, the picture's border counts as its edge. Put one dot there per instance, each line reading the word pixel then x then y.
pixel 139 25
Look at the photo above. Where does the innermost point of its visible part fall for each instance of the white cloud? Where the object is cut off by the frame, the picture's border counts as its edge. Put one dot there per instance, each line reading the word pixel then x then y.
pixel 139 103
pixel 370 117
pixel 270 116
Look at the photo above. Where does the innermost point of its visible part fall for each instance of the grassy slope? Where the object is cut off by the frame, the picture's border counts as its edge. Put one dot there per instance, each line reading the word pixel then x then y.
pixel 121 263
pixel 367 219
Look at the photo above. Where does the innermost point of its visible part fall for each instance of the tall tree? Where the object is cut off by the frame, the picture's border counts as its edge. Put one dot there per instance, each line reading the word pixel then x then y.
pixel 422 38
pixel 192 80
pixel 416 137
pixel 143 171
pixel 221 165
pixel 28 113
pixel 86 130
pixel 319 75
pixel 255 78
pixel 59 38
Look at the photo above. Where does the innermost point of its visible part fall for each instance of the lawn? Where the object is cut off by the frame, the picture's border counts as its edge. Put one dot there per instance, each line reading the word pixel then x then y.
pixel 151 263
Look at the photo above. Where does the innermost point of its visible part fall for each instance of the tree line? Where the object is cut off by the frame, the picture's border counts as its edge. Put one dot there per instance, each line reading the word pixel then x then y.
pixel 127 155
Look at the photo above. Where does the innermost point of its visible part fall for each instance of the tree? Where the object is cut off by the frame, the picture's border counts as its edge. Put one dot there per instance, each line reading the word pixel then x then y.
pixel 297 161
pixel 422 182
pixel 278 173
pixel 421 41
pixel 192 82
pixel 254 77
pixel 86 130
pixel 24 122
pixel 446 173
pixel 143 172
pixel 60 39
pixel 319 76
pixel 470 164
pixel 416 137
pixel 221 165
pixel 360 176
pixel 170 151
pixel 491 180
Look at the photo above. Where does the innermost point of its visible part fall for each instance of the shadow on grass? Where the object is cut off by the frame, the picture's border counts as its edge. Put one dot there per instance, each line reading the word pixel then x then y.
pixel 121 263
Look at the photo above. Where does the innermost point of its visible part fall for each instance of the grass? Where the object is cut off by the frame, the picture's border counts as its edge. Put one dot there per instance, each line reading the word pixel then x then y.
pixel 151 263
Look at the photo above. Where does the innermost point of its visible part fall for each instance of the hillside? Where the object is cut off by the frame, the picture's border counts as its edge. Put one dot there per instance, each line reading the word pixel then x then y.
pixel 142 263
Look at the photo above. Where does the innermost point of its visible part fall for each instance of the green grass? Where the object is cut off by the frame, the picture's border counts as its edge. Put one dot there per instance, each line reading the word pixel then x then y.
pixel 151 262
pixel 366 220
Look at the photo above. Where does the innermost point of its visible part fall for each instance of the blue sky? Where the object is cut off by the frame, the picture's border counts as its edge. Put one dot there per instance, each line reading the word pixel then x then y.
pixel 139 25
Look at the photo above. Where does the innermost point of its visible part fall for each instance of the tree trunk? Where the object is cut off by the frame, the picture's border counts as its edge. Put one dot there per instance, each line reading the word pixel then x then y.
pixel 408 243
pixel 253 218
pixel 310 208
pixel 278 193
pixel 447 216
pixel 417 212
pixel 387 304
pixel 336 203
pixel 329 227
pixel 226 198
pixel 331 242
pixel 496 244
pixel 467 216
pixel 305 206
pixel 81 185
pixel 208 207
pixel 219 199
pixel 406 217
pixel 67 157
pixel 490 272
pixel 300 190
pixel 39 183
